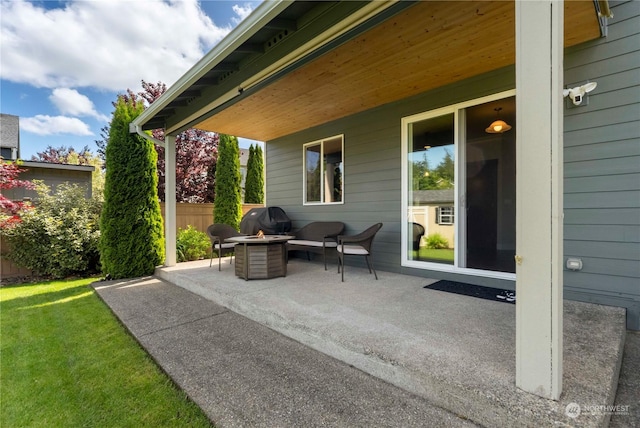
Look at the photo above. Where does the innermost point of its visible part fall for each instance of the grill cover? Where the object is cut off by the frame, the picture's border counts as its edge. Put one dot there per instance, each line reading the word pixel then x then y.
pixel 271 220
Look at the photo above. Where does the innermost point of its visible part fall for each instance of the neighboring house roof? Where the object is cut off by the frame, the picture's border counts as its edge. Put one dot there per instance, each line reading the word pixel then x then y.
pixel 294 65
pixel 60 166
pixel 431 197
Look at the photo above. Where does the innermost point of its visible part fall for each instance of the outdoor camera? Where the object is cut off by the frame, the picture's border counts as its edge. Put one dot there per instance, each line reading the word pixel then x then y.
pixel 577 94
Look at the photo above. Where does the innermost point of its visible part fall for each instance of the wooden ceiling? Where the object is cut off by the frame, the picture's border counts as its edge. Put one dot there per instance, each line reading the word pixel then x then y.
pixel 427 46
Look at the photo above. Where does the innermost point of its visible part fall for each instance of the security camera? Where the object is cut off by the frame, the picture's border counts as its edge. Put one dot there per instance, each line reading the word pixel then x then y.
pixel 577 94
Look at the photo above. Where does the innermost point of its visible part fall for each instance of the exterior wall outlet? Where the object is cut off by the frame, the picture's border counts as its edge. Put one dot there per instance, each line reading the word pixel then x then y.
pixel 574 264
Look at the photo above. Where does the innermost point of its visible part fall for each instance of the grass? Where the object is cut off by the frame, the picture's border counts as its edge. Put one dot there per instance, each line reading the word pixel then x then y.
pixel 431 255
pixel 65 361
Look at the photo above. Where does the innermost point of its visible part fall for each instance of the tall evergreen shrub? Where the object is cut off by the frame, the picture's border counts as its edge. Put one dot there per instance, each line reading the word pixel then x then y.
pixel 131 241
pixel 254 185
pixel 228 202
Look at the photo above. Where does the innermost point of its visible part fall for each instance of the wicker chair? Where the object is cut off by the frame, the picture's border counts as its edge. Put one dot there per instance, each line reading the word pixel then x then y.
pixel 217 233
pixel 317 237
pixel 358 245
pixel 418 233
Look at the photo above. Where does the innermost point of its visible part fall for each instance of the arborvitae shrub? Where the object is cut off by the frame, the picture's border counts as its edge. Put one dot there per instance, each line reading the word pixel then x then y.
pixel 228 202
pixel 132 241
pixel 254 185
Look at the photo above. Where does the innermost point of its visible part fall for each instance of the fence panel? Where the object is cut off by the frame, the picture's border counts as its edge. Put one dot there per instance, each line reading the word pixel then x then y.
pixel 200 216
pixel 7 268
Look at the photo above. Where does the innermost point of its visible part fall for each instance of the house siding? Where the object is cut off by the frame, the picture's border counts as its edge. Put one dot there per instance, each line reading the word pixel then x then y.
pixel 372 170
pixel 602 167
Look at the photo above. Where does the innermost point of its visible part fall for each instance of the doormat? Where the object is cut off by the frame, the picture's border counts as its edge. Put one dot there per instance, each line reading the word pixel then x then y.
pixel 488 293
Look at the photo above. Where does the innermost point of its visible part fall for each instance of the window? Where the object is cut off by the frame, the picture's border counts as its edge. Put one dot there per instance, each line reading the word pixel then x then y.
pixel 465 175
pixel 445 215
pixel 323 171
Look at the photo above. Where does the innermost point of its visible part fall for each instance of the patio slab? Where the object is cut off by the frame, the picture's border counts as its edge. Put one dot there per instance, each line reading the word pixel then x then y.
pixel 456 351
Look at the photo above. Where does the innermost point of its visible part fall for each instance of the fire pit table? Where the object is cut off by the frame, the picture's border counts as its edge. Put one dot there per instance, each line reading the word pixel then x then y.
pixel 260 257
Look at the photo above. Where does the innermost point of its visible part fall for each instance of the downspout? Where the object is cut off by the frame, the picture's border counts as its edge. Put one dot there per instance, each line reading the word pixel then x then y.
pixel 136 129
pixel 604 13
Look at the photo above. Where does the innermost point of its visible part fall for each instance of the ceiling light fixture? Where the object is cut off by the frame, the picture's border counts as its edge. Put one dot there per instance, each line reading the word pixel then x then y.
pixel 498 126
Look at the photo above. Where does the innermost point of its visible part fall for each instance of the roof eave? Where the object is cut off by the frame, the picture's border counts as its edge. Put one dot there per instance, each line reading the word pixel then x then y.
pixel 266 11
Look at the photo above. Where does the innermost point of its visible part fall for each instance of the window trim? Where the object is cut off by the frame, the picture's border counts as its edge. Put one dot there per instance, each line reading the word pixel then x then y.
pixel 450 215
pixel 321 142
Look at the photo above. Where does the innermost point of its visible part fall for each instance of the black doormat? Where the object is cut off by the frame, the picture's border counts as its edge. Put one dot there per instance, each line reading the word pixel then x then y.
pixel 488 293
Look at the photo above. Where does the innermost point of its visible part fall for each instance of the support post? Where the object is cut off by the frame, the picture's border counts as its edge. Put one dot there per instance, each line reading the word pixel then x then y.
pixel 539 209
pixel 170 200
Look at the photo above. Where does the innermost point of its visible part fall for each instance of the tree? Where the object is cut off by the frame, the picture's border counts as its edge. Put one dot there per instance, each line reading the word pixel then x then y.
pixel 254 184
pixel 10 210
pixel 69 155
pixel 132 242
pixel 228 202
pixel 196 152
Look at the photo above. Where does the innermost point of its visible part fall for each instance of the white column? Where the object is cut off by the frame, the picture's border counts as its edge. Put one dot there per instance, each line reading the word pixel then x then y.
pixel 539 171
pixel 170 200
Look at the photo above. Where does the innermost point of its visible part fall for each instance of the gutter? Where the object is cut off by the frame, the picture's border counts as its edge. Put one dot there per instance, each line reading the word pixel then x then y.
pixel 266 11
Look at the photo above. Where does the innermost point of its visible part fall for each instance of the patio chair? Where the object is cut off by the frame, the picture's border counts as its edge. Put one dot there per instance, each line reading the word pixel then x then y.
pixel 217 233
pixel 358 245
pixel 418 232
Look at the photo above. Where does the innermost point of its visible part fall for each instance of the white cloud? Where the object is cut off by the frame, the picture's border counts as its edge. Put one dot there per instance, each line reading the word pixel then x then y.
pixel 53 125
pixel 73 103
pixel 111 45
pixel 242 12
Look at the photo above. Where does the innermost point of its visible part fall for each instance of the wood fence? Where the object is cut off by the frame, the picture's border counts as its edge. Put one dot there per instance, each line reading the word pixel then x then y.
pixel 7 268
pixel 200 216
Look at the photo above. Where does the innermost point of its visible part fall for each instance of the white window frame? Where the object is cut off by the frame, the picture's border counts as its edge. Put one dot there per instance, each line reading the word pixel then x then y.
pixel 458 111
pixel 321 143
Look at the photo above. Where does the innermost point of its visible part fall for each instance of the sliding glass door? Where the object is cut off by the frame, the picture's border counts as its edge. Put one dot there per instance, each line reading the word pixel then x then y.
pixel 459 184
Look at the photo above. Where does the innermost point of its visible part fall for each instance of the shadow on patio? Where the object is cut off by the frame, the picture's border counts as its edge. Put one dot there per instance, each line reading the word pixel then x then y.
pixel 456 351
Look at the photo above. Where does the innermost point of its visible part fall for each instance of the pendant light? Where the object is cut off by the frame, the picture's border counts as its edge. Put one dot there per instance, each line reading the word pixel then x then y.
pixel 498 126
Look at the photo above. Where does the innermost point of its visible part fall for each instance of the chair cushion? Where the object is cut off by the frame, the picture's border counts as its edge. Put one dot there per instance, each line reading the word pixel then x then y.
pixel 353 249
pixel 226 245
pixel 305 243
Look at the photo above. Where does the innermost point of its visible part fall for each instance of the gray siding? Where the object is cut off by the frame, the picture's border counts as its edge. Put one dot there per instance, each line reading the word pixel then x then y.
pixel 52 177
pixel 602 167
pixel 372 169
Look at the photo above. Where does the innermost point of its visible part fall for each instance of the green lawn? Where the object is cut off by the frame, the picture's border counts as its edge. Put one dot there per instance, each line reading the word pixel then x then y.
pixel 431 255
pixel 65 361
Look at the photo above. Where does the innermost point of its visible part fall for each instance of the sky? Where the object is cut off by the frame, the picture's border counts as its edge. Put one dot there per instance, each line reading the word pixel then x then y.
pixel 62 63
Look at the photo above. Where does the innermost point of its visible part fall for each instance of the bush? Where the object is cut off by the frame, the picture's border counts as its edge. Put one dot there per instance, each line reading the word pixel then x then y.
pixel 228 202
pixel 59 237
pixel 132 240
pixel 436 241
pixel 192 244
pixel 254 184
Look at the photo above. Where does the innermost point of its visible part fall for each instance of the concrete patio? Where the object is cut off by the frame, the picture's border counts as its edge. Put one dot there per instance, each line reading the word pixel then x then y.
pixel 456 351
